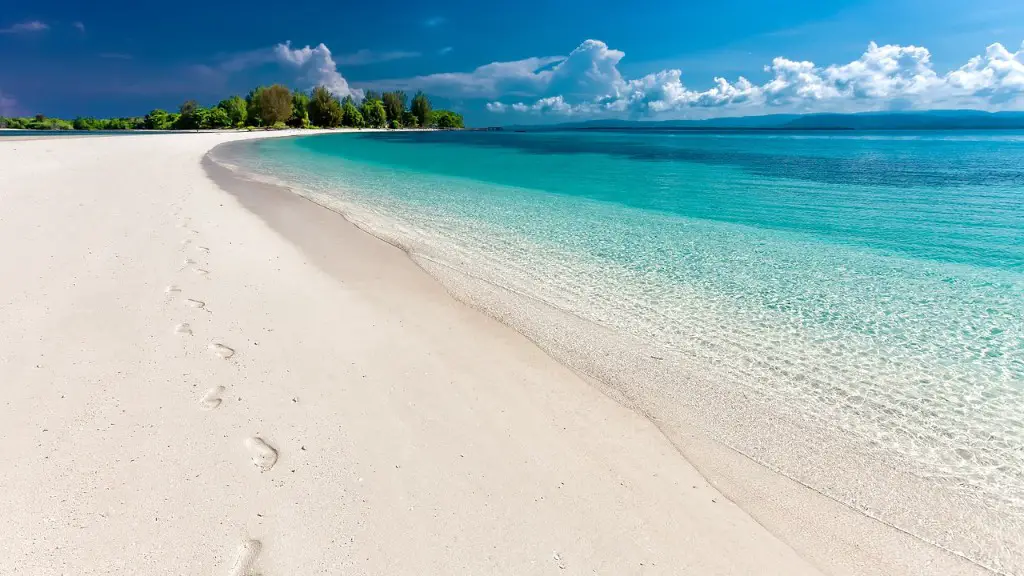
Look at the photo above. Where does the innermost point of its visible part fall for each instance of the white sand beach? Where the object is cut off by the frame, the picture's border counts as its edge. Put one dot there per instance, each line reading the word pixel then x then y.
pixel 188 390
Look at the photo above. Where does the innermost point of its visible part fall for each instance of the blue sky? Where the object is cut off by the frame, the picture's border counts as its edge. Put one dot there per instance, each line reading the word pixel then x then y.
pixel 529 62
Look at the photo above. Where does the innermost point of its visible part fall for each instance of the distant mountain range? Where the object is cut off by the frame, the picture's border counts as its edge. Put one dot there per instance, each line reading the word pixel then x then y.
pixel 928 120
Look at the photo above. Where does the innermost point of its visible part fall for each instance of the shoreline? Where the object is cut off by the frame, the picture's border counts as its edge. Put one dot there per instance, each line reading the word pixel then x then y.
pixel 199 392
pixel 823 529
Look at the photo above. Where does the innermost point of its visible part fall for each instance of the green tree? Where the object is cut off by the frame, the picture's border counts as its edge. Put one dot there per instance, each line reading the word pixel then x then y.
pixel 445 120
pixel 394 105
pixel 236 109
pixel 324 109
pixel 373 114
pixel 157 120
pixel 351 116
pixel 86 124
pixel 275 104
pixel 132 123
pixel 190 117
pixel 421 109
pixel 300 110
pixel 201 117
pixel 409 120
pixel 218 117
pixel 41 122
pixel 370 95
pixel 253 104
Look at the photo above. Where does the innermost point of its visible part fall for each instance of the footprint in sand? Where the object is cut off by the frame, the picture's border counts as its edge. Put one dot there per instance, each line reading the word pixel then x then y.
pixel 195 303
pixel 221 350
pixel 201 271
pixel 202 249
pixel 211 399
pixel 263 456
pixel 172 289
pixel 183 328
pixel 185 243
pixel 245 558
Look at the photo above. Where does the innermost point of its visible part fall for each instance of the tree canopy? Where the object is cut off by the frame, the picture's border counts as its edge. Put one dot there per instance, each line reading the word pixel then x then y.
pixel 351 116
pixel 236 109
pixel 300 110
pixel 253 104
pixel 275 104
pixel 190 116
pixel 421 108
pixel 445 120
pixel 374 114
pixel 324 108
pixel 271 106
pixel 394 105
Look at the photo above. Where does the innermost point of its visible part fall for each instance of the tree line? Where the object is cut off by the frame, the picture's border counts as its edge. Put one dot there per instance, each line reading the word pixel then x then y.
pixel 271 107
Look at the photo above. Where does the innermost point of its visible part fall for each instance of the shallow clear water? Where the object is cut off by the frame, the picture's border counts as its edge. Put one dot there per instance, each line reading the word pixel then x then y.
pixel 870 282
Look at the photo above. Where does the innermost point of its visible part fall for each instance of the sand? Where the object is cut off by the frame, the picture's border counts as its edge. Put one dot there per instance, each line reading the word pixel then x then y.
pixel 199 381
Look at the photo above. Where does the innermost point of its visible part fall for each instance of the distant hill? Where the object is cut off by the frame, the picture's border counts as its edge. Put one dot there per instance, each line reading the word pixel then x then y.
pixel 934 120
pixel 927 120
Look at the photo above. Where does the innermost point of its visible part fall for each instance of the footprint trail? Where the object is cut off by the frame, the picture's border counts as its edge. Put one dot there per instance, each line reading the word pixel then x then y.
pixel 263 456
pixel 211 400
pixel 245 558
pixel 221 350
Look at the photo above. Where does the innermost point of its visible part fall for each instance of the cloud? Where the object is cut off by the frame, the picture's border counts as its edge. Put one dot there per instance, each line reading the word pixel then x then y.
pixel 26 27
pixel 588 81
pixel 315 65
pixel 364 57
pixel 998 75
pixel 79 26
pixel 318 67
pixel 115 56
pixel 519 78
pixel 8 105
pixel 434 21
pixel 444 50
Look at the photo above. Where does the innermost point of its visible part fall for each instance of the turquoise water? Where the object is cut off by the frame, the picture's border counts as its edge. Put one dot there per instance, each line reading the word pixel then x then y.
pixel 866 285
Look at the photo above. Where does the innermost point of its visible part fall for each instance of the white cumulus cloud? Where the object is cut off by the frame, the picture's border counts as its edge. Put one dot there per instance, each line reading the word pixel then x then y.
pixel 520 77
pixel 318 67
pixel 588 81
pixel 314 65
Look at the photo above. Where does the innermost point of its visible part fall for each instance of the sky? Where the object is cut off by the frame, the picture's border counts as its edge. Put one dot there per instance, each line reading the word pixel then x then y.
pixel 529 62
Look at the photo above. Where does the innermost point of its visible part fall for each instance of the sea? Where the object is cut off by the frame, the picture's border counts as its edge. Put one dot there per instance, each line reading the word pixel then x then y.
pixel 844 308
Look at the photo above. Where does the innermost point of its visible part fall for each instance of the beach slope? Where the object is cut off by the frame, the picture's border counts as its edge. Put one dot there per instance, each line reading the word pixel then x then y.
pixel 186 391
